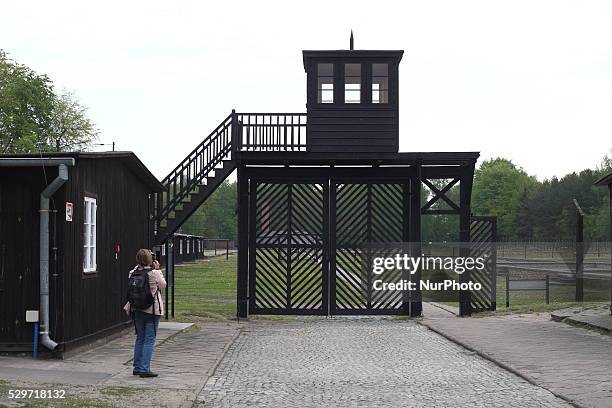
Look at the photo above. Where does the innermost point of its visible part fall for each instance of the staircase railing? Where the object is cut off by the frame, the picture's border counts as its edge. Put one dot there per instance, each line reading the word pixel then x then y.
pixel 194 169
pixel 239 132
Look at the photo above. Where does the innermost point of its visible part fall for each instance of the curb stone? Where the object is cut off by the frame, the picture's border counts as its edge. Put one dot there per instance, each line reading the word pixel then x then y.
pixel 564 318
pixel 195 400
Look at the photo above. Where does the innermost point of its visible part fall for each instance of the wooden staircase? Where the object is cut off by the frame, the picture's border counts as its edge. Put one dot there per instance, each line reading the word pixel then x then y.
pixel 194 180
pixel 213 160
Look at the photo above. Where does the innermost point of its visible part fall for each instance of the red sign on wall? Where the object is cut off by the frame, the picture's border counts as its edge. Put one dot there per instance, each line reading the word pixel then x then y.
pixel 69 212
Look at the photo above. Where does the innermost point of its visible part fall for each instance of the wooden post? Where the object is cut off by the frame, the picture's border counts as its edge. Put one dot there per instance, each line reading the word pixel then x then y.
pixel 406 194
pixel 507 288
pixel 552 251
pixel 494 264
pixel 235 135
pixel 579 252
pixel 172 285
pixel 243 242
pixel 416 305
pixel 610 241
pixel 226 249
pixel 547 289
pixel 465 192
pixel 169 269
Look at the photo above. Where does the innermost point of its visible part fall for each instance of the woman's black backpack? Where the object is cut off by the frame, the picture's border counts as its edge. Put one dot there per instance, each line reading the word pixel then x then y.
pixel 139 292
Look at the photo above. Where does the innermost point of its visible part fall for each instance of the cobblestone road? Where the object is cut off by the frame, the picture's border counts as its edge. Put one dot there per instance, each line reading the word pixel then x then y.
pixel 360 362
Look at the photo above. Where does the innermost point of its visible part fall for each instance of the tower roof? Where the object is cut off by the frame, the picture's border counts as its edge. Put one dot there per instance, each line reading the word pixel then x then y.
pixel 357 54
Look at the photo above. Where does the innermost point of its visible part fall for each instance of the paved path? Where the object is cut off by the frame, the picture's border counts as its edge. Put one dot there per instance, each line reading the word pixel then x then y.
pixel 569 361
pixel 184 361
pixel 360 362
pixel 108 358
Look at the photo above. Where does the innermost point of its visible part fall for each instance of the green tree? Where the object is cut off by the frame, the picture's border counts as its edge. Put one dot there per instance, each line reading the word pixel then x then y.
pixel 498 186
pixel 70 129
pixel 549 207
pixel 33 118
pixel 524 217
pixel 216 217
pixel 26 103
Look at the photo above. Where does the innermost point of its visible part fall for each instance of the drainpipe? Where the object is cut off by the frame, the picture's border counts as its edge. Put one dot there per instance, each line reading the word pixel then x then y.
pixel 61 178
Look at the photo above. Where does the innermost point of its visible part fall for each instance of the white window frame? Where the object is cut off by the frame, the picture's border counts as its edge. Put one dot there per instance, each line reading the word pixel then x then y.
pixel 90 235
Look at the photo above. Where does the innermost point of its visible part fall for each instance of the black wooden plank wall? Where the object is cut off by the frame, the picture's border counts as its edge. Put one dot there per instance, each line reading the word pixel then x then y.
pixel 354 130
pixel 93 302
pixel 20 190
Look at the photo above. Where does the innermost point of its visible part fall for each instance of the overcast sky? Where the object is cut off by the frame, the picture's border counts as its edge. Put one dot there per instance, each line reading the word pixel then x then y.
pixel 527 80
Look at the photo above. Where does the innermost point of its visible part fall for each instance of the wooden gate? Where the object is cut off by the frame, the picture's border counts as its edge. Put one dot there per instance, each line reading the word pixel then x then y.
pixel 368 220
pixel 288 257
pixel 483 238
pixel 312 243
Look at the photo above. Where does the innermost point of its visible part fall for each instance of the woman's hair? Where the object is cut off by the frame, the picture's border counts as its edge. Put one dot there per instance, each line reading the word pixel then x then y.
pixel 144 257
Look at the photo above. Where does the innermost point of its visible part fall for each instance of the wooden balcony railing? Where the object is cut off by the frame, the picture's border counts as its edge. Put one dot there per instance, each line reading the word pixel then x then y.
pixel 270 132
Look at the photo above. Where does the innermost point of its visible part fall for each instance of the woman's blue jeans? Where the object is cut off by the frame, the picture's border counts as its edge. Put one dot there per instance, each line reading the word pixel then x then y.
pixel 146 332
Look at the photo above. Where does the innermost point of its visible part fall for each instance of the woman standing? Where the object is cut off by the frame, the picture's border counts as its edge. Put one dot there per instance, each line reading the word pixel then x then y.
pixel 146 318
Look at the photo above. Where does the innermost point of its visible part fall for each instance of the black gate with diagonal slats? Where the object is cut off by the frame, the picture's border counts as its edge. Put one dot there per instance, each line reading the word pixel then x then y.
pixel 313 242
pixel 369 220
pixel 288 268
pixel 483 238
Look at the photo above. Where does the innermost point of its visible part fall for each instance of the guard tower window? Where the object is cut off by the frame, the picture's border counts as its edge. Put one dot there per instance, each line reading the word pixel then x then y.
pixel 380 83
pixel 325 83
pixel 352 83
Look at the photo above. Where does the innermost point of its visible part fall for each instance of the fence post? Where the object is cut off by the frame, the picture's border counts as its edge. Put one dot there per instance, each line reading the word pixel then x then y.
pixel 169 271
pixel 215 247
pixel 172 294
pixel 579 252
pixel 547 289
pixel 552 251
pixel 226 249
pixel 507 288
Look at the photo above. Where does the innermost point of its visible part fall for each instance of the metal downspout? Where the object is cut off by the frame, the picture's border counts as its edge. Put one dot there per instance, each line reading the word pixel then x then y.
pixel 61 178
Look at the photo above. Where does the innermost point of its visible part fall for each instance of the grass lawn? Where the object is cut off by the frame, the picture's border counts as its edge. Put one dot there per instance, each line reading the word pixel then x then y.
pixel 206 289
pixel 534 301
pixel 595 291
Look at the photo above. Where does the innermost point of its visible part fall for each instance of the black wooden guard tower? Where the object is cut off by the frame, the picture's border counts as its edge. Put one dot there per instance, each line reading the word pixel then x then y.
pixel 316 188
